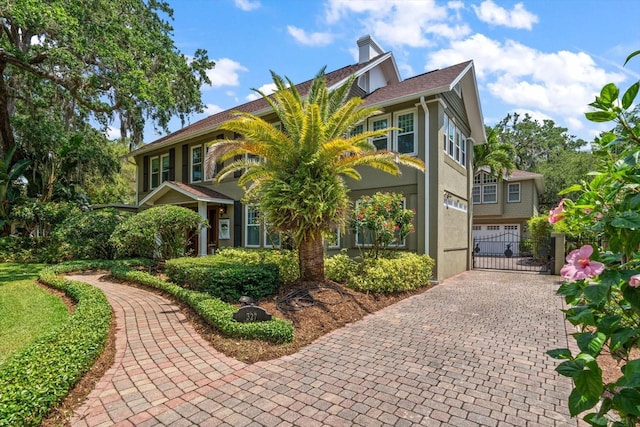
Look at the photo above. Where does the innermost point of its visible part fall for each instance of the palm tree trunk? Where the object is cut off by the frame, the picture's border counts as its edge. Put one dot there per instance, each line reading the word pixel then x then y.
pixel 311 258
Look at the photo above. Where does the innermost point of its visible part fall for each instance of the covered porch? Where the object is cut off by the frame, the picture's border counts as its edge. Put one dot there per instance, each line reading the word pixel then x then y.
pixel 211 205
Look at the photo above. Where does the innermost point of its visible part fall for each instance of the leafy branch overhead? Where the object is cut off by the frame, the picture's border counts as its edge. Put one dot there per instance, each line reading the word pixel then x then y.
pixel 113 59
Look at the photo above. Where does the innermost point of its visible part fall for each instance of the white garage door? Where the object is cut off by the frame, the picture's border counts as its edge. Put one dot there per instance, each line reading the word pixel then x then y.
pixel 495 239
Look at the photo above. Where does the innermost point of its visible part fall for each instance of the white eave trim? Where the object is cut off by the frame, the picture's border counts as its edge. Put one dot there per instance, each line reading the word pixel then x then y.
pixel 164 188
pixel 369 67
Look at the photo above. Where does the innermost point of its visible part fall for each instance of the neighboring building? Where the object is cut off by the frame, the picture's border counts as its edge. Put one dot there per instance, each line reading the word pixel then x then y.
pixel 501 208
pixel 439 117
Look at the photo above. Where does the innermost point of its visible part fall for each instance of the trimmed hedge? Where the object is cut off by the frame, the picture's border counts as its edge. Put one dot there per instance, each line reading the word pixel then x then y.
pixel 396 272
pixel 35 379
pixel 286 260
pixel 216 312
pixel 223 278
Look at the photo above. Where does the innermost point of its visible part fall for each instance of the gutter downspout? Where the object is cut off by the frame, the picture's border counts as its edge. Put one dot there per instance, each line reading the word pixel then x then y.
pixel 426 175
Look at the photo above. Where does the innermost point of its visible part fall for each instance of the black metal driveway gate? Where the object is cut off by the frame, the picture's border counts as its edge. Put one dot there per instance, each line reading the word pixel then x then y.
pixel 509 251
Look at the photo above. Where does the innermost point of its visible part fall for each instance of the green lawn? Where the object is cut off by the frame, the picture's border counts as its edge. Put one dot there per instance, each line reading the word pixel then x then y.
pixel 26 310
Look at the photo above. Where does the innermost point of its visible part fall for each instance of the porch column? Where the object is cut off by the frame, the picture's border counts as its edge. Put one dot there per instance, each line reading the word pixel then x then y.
pixel 202 241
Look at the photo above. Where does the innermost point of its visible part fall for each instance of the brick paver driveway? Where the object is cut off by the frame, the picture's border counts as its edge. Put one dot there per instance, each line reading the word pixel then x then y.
pixel 468 352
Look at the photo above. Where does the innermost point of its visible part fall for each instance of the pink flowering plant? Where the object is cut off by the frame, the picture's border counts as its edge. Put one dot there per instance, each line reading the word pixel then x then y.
pixel 381 222
pixel 603 283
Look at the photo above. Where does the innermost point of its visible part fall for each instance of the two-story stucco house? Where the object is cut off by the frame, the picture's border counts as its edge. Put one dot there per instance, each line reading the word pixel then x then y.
pixel 439 119
pixel 501 208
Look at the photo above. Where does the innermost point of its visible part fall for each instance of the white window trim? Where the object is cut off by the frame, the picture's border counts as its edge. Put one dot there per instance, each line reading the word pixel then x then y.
pixel 247 225
pixel 162 170
pixel 463 150
pixel 151 171
pixel 193 148
pixel 389 122
pixel 445 134
pixel 397 133
pixel 457 145
pixel 479 187
pixel 496 193
pixel 509 193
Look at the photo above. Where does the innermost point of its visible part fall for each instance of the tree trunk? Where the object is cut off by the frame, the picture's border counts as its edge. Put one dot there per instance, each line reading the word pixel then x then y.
pixel 311 257
pixel 6 132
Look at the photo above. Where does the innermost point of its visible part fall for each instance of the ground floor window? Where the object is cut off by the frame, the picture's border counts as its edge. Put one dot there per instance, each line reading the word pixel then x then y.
pixel 252 227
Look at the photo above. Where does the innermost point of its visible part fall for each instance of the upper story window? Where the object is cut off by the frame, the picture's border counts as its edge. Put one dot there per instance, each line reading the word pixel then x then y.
pixel 377 123
pixel 513 192
pixel 454 141
pixel 405 136
pixel 196 163
pixel 164 167
pixel 475 195
pixel 485 188
pixel 155 172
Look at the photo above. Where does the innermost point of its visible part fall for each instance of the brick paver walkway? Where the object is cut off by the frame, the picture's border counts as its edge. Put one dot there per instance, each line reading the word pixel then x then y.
pixel 469 352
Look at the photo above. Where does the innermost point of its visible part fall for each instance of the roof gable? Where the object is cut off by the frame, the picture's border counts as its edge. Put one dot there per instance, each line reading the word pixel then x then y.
pixel 260 105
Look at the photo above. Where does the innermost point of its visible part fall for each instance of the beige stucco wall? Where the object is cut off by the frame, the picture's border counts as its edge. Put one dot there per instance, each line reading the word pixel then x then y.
pixel 509 211
pixel 447 230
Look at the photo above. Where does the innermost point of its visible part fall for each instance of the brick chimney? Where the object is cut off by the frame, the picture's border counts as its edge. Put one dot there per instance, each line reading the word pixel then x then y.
pixel 368 49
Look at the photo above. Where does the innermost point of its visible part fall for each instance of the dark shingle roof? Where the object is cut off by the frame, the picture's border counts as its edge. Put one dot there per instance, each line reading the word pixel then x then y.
pixel 259 104
pixel 438 79
pixel 199 191
pixel 442 78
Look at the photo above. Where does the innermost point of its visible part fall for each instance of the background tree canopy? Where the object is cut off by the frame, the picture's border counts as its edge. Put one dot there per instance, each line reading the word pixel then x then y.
pixel 72 68
pixel 544 148
pixel 111 59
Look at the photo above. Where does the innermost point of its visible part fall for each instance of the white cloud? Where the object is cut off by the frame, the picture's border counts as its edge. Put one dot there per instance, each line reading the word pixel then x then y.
pixel 247 5
pixel 310 39
pixel 401 23
pixel 558 84
pixel 113 133
pixel 211 109
pixel 267 89
pixel 493 14
pixel 225 73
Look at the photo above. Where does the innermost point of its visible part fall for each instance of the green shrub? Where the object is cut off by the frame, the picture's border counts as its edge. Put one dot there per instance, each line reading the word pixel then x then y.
pixel 540 229
pixel 160 232
pixel 286 260
pixel 340 267
pixel 35 379
pixel 214 311
pixel 401 272
pixel 223 278
pixel 88 233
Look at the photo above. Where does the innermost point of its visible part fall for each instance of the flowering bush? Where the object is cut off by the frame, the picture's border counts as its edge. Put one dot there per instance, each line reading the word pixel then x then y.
pixel 381 221
pixel 605 296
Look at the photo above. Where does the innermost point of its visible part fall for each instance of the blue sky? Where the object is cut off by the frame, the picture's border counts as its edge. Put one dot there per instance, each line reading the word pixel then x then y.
pixel 547 58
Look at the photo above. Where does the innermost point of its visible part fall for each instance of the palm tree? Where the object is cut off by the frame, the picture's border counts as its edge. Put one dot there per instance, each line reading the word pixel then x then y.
pixel 495 155
pixel 296 173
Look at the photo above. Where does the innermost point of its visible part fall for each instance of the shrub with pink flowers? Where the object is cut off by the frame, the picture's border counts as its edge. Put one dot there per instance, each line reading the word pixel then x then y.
pixel 381 222
pixel 603 284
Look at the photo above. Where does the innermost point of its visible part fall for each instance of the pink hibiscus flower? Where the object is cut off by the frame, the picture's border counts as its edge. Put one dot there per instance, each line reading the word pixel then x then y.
pixel 579 266
pixel 634 281
pixel 557 214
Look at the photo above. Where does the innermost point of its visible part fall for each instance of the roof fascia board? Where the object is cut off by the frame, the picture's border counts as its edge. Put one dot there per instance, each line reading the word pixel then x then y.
pixel 363 70
pixel 166 186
